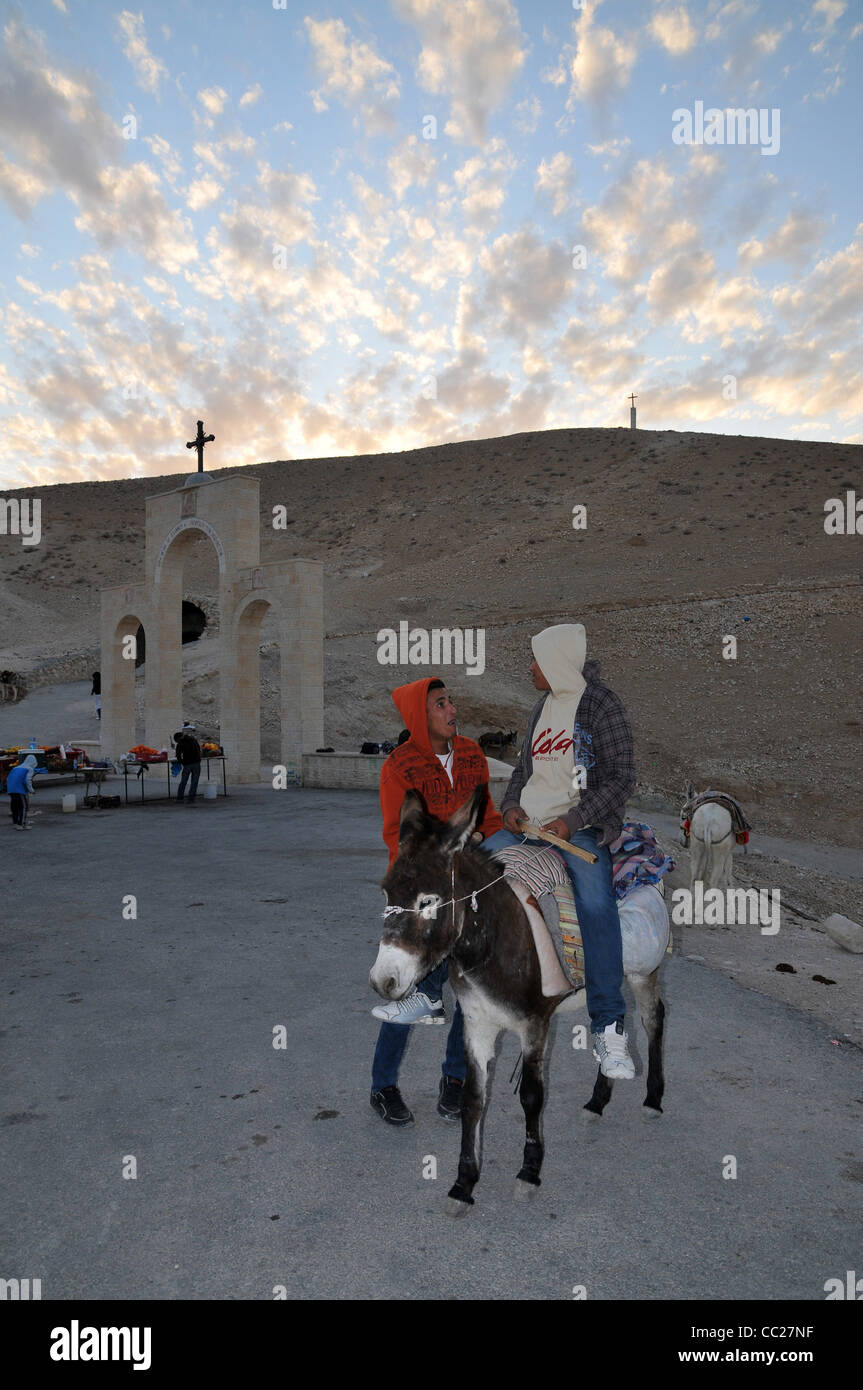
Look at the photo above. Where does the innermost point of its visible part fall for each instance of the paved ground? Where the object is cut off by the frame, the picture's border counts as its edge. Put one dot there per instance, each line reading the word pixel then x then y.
pixel 259 1167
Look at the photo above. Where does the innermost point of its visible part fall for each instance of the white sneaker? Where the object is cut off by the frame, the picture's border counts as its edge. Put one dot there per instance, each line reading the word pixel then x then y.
pixel 611 1052
pixel 416 1007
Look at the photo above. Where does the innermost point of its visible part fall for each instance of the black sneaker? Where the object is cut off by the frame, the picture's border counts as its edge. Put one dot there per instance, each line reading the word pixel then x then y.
pixel 450 1093
pixel 390 1106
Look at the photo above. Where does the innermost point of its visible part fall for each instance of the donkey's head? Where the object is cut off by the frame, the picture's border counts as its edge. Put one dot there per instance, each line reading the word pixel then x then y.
pixel 420 883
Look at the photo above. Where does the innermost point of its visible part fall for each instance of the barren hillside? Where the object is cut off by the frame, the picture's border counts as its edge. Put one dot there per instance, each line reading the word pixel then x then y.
pixel 690 537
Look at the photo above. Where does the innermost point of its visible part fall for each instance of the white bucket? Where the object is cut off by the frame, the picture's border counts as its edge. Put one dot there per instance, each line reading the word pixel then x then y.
pixel 69 802
pixel 210 790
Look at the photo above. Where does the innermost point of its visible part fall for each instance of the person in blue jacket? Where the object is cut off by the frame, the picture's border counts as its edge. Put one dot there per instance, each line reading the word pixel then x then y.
pixel 19 785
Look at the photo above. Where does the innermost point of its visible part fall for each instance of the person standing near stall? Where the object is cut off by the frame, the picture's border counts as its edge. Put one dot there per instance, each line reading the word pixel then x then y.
pixel 188 751
pixel 19 785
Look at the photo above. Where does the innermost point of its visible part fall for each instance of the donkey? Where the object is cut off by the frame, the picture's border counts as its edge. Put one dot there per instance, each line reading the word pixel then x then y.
pixel 499 741
pixel 447 898
pixel 711 844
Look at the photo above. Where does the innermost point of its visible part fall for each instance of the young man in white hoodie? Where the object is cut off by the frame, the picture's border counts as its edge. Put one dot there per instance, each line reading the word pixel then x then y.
pixel 575 773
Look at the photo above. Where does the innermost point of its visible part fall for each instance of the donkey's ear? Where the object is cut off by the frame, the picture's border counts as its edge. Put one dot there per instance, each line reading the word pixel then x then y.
pixel 690 792
pixel 461 825
pixel 413 815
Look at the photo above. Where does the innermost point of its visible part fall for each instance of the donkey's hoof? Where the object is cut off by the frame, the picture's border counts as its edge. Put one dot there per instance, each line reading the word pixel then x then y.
pixel 455 1207
pixel 591 1112
pixel 651 1112
pixel 525 1191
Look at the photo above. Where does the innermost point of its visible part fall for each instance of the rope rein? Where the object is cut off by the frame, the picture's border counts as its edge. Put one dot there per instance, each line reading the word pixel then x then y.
pixel 451 902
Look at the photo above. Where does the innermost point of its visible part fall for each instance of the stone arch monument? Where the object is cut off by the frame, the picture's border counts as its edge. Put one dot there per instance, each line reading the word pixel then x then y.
pixel 227 511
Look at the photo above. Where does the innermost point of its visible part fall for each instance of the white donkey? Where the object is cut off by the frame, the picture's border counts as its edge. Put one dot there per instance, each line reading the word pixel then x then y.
pixel 711 845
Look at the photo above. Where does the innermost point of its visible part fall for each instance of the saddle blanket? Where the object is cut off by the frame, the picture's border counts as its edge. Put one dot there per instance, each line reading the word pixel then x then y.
pixel 738 820
pixel 637 862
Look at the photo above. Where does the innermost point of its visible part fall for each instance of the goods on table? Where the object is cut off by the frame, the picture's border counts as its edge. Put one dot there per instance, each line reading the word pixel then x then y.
pixel 142 754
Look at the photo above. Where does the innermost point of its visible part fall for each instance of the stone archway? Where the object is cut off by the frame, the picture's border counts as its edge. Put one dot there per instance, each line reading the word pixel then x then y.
pixel 118 681
pixel 227 511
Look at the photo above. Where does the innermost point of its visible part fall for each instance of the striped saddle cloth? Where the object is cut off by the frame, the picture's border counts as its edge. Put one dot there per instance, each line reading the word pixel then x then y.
pixel 636 860
pixel 543 873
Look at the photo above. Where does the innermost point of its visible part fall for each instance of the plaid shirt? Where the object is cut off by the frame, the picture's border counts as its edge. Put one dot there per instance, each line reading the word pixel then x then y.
pixel 603 730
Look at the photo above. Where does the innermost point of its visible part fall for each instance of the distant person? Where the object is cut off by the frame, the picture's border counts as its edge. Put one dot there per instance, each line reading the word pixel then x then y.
pixel 19 785
pixel 96 692
pixel 188 751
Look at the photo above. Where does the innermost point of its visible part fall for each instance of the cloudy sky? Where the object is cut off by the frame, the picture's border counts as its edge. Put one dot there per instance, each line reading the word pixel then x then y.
pixel 339 229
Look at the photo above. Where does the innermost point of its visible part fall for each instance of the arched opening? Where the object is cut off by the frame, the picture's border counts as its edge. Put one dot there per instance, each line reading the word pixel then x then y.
pixel 194 622
pixel 189 669
pixel 194 625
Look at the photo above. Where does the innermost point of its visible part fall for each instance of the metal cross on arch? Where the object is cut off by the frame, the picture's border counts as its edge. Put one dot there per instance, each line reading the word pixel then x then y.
pixel 198 443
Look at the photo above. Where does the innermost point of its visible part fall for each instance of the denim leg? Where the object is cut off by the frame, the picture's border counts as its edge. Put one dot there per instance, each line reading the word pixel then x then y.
pixel 599 921
pixel 184 777
pixel 454 1063
pixel 502 839
pixel 391 1044
pixel 432 985
pixel 196 773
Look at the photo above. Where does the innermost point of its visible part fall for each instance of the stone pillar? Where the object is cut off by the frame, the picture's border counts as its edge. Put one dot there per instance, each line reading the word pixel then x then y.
pixel 241 692
pixel 119 620
pixel 302 653
pixel 164 664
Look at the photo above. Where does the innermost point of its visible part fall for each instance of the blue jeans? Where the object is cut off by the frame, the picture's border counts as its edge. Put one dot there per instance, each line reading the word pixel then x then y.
pixel 193 771
pixel 393 1039
pixel 598 919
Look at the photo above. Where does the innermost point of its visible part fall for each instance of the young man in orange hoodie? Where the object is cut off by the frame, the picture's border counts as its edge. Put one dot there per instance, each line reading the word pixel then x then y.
pixel 445 769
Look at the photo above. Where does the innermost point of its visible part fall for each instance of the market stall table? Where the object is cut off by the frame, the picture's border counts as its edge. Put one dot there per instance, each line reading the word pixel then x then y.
pixel 146 763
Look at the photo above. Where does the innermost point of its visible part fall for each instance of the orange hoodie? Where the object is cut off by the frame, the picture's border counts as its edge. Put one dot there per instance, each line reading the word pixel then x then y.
pixel 414 765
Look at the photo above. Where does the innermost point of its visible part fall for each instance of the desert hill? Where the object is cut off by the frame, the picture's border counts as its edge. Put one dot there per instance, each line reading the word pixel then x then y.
pixel 689 537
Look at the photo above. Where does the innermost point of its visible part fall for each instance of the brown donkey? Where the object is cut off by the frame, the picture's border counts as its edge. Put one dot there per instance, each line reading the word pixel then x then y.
pixel 447 898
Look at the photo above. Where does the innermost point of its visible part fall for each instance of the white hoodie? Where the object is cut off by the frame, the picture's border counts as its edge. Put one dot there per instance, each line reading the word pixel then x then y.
pixel 550 790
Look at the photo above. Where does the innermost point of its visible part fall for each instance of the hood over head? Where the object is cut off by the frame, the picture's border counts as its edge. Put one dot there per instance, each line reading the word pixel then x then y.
pixel 30 761
pixel 560 651
pixel 410 701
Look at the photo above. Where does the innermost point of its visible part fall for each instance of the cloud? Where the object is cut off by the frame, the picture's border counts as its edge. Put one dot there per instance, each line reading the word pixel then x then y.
pixel 482 180
pixel 252 96
pixel 411 163
pixel 137 216
pixel 353 74
pixel 149 70
pixel 686 290
pixel 674 30
pixel 527 282
pixel 471 52
pixel 527 114
pixel 823 20
pixel 556 179
pixel 52 125
pixel 795 241
pixel 202 192
pixel 172 164
pixel 598 65
pixel 213 100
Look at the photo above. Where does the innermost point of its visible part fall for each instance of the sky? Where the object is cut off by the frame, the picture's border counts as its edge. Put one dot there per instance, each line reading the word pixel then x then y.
pixel 329 229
